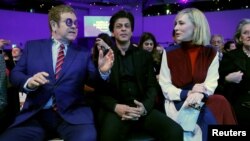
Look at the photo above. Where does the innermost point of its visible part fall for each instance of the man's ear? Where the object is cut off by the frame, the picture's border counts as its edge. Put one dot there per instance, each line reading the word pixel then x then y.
pixel 53 25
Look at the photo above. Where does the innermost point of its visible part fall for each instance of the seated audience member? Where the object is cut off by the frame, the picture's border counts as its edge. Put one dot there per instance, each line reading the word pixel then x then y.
pixel 127 98
pixel 16 53
pixel 235 75
pixel 217 41
pixel 52 72
pixel 3 79
pixel 149 43
pixel 102 42
pixel 229 46
pixel 7 56
pixel 3 87
pixel 188 78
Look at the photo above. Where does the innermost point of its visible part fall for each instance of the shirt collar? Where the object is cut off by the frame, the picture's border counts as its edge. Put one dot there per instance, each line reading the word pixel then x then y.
pixel 57 43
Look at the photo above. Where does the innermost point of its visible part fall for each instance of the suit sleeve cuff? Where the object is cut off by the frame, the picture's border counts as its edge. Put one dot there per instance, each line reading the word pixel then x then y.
pixel 183 95
pixel 26 89
pixel 105 75
pixel 205 97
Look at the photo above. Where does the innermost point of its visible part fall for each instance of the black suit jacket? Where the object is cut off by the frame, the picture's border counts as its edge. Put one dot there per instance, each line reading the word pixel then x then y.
pixel 109 94
pixel 67 89
pixel 231 62
pixel 3 84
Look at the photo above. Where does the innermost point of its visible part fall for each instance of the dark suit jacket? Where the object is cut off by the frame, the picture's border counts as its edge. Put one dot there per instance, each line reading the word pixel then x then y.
pixel 109 94
pixel 77 67
pixel 234 61
pixel 3 85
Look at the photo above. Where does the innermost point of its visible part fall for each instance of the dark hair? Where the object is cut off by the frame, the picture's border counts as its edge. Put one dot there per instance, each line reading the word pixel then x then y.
pixel 118 15
pixel 155 54
pixel 147 36
pixel 227 44
pixel 107 39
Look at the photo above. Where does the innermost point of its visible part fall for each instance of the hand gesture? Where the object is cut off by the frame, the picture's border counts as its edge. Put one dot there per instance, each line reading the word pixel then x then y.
pixel 37 80
pixel 3 42
pixel 105 62
pixel 234 77
pixel 100 43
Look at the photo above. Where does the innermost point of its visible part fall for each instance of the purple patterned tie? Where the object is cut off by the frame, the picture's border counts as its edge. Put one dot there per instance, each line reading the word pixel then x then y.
pixel 59 62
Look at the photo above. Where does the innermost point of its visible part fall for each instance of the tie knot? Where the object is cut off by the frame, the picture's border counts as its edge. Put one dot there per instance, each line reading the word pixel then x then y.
pixel 62 47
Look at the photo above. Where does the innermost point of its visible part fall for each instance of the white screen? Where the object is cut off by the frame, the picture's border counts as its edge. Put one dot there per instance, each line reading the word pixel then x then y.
pixel 94 25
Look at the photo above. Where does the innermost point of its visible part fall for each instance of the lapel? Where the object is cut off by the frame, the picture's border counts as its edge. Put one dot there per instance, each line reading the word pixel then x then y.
pixel 69 58
pixel 46 51
pixel 239 59
pixel 115 69
pixel 136 57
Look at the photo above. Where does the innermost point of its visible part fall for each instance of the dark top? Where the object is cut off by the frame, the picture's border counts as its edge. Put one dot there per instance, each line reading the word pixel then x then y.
pixel 132 77
pixel 3 84
pixel 234 61
pixel 237 93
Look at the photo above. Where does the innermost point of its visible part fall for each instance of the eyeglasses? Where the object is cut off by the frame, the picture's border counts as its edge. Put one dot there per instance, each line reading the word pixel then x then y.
pixel 69 22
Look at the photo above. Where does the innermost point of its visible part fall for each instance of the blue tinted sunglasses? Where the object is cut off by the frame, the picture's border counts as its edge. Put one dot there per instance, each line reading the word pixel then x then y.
pixel 69 22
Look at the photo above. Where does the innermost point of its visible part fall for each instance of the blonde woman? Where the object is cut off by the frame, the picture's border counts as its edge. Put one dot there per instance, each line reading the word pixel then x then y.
pixel 189 74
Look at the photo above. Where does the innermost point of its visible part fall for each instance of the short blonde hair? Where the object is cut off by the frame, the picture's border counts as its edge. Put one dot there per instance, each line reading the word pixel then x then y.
pixel 202 33
pixel 55 13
